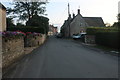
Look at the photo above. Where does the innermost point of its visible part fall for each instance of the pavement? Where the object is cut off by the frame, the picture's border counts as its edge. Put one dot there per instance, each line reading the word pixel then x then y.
pixel 63 58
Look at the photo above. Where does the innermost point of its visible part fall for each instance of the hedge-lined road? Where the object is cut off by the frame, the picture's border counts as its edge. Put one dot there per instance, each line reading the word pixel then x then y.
pixel 61 58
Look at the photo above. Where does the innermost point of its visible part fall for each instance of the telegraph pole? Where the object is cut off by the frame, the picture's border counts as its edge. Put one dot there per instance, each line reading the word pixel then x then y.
pixel 68 9
pixel 69 18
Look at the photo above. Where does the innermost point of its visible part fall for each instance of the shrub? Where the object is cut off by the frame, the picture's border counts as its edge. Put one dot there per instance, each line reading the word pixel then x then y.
pixel 110 39
pixel 95 30
pixel 106 36
pixel 27 29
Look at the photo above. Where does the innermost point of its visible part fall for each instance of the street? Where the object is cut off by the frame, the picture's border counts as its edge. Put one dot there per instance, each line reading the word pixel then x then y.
pixel 63 58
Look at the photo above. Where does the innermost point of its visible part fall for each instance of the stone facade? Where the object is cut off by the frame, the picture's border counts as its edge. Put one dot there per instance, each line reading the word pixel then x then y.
pixel 52 30
pixel 78 25
pixel 2 18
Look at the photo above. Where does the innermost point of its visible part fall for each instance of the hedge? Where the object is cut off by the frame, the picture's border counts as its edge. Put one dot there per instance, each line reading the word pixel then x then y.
pixel 106 36
pixel 110 39
pixel 27 29
pixel 94 30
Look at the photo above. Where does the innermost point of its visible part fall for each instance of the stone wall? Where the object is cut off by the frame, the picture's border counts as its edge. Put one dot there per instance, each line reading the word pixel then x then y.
pixel 34 41
pixel 89 39
pixel 0 57
pixel 13 48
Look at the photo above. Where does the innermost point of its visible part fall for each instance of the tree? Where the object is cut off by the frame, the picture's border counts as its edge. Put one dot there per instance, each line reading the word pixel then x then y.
pixel 20 25
pixel 9 22
pixel 117 24
pixel 107 24
pixel 39 21
pixel 118 17
pixel 26 10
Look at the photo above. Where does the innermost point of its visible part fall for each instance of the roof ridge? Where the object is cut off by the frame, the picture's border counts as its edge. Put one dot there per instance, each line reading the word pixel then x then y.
pixel 92 17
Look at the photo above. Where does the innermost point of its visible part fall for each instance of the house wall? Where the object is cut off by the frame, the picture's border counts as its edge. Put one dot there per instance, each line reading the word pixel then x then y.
pixel 52 30
pixel 78 25
pixel 67 31
pixel 2 19
pixel 55 30
pixel 66 28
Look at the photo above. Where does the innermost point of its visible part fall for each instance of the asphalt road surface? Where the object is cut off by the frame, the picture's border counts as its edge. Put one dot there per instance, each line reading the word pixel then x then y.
pixel 62 58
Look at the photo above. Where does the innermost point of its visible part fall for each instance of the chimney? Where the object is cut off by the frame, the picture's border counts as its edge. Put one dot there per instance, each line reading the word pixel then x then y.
pixel 78 11
pixel 73 15
pixel 69 15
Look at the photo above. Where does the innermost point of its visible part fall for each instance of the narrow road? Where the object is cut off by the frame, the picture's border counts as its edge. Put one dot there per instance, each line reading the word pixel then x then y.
pixel 61 58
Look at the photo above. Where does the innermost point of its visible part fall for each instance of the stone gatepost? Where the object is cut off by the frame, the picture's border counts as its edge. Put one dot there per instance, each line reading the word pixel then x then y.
pixel 90 39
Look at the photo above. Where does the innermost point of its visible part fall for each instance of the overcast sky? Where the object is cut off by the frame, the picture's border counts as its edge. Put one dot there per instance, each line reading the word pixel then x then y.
pixel 58 12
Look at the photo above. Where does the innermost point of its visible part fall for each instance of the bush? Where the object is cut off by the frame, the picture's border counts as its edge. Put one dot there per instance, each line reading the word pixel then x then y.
pixel 39 21
pixel 27 29
pixel 95 30
pixel 106 36
pixel 110 39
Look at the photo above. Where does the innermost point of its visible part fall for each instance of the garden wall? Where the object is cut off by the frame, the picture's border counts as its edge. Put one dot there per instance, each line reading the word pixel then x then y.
pixel 33 41
pixel 13 48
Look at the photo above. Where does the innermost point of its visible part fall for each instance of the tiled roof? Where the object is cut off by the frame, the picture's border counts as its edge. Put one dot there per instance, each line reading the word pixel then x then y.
pixel 94 21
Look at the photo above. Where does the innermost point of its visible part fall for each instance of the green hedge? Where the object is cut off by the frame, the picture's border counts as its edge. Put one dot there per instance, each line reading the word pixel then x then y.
pixel 110 39
pixel 95 30
pixel 106 36
pixel 27 29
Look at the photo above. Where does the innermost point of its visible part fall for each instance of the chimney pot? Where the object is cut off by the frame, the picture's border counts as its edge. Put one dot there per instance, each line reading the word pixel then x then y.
pixel 73 15
pixel 78 11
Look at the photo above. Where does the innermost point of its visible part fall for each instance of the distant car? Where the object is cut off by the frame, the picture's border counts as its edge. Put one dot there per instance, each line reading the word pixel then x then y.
pixel 78 36
pixel 59 35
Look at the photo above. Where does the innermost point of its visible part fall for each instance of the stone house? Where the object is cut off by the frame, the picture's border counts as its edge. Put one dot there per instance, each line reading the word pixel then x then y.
pixel 52 30
pixel 78 24
pixel 2 18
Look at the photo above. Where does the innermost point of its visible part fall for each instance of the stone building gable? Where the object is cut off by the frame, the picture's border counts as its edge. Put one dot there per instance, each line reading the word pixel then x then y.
pixel 78 25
